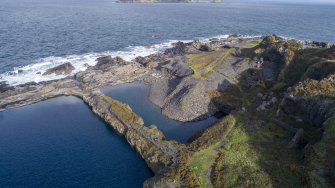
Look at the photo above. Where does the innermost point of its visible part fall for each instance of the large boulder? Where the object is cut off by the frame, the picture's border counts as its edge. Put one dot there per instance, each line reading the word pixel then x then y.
pixel 105 62
pixel 179 49
pixel 177 68
pixel 63 69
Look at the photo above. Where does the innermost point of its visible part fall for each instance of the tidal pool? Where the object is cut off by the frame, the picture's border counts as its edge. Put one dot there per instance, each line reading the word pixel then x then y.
pixel 136 95
pixel 61 143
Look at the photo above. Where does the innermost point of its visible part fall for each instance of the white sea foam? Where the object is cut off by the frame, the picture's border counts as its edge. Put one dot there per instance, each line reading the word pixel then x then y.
pixel 34 72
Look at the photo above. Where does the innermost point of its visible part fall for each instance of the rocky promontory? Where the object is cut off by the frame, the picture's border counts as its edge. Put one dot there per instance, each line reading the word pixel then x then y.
pixel 278 96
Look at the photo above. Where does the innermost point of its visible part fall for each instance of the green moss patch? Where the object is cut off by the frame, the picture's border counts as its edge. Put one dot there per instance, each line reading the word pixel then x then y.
pixel 123 111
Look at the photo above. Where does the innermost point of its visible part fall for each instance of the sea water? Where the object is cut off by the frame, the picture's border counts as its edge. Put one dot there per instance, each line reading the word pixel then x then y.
pixel 39 34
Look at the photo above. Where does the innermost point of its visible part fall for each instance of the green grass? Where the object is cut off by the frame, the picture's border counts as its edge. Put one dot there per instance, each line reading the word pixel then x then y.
pixel 256 155
pixel 201 163
pixel 203 64
pixel 207 146
pixel 238 164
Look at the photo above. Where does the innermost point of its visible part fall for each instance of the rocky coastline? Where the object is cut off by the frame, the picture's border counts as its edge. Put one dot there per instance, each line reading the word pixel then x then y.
pixel 279 95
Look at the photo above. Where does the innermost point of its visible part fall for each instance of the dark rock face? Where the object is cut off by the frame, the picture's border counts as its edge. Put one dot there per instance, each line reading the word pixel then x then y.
pixel 106 61
pixel 178 69
pixel 151 61
pixel 64 69
pixel 28 84
pixel 309 109
pixel 318 44
pixel 5 87
pixel 206 48
pixel 320 70
pixel 141 60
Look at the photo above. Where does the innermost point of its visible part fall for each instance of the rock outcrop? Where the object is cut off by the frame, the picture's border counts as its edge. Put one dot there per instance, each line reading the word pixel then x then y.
pixel 311 100
pixel 148 141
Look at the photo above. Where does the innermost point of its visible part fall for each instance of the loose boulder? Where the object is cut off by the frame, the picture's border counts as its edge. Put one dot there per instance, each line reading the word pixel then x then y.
pixel 178 49
pixel 106 62
pixel 177 68
pixel 63 69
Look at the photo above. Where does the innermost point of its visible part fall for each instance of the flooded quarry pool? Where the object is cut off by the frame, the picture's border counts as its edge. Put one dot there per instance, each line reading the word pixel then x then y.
pixel 61 143
pixel 136 95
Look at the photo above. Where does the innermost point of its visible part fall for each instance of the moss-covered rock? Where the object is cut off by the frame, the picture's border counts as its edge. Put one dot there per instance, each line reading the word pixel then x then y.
pixel 314 88
pixel 123 111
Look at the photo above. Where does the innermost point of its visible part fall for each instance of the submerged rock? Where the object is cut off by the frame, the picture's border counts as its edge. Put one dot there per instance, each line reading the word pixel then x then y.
pixel 63 69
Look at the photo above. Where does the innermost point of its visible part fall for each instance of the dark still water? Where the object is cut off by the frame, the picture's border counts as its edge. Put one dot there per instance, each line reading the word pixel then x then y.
pixel 38 34
pixel 136 95
pixel 61 143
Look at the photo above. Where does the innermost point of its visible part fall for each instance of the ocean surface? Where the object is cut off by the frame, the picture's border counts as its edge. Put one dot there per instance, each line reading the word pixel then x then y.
pixel 39 34
pixel 61 143
pixel 136 95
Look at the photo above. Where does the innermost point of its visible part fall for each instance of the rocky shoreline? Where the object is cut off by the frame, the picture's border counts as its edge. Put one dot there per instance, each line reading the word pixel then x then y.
pixel 259 82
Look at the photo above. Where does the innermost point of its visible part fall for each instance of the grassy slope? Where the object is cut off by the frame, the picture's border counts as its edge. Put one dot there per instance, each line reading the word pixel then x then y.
pixel 255 152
